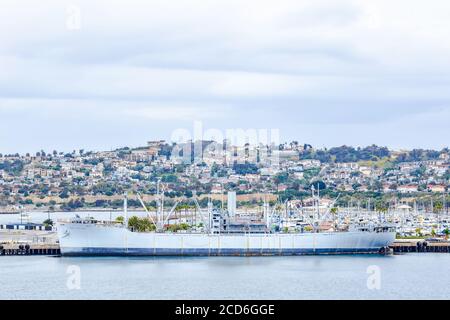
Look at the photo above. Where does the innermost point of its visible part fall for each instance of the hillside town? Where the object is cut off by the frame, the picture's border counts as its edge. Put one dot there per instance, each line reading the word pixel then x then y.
pixel 359 176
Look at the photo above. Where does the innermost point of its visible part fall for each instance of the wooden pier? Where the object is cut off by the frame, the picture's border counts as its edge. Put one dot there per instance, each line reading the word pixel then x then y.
pixel 399 247
pixel 18 249
pixel 420 246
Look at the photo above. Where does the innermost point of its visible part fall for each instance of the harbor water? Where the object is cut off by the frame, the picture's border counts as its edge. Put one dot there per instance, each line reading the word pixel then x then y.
pixel 410 276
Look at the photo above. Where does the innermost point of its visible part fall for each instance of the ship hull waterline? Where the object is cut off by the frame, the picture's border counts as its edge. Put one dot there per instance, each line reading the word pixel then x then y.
pixel 100 240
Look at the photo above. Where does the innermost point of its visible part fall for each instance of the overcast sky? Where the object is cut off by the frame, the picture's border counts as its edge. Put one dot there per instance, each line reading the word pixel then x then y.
pixel 102 74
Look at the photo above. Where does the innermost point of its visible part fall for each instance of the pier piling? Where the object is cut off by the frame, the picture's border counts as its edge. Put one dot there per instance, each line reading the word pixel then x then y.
pixel 29 250
pixel 420 247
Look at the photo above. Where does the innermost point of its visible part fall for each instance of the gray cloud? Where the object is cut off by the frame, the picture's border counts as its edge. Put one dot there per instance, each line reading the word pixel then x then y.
pixel 323 70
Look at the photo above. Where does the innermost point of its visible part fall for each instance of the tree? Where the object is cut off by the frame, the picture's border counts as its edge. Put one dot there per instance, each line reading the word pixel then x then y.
pixel 381 207
pixel 15 167
pixel 393 187
pixel 281 178
pixel 120 219
pixel 169 178
pixel 438 207
pixel 318 185
pixel 419 232
pixel 447 233
pixel 178 227
pixel 64 194
pixel 141 224
pixel 245 168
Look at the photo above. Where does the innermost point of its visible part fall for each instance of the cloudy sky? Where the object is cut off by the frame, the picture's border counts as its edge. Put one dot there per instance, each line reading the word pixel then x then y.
pixel 103 74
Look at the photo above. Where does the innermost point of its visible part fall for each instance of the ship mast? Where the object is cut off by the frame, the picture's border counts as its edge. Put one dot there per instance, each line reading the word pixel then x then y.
pixel 199 209
pixel 266 213
pixel 316 199
pixel 159 206
pixel 145 208
pixel 125 209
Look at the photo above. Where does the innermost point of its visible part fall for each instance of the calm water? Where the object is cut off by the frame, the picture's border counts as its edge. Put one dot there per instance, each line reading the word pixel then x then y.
pixel 413 276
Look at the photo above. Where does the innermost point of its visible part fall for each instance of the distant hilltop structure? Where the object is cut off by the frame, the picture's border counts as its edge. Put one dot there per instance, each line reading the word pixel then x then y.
pixel 156 143
pixel 155 146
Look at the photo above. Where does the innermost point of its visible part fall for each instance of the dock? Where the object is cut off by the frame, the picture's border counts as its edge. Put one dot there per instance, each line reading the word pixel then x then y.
pixel 420 246
pixel 53 249
pixel 28 241
pixel 18 249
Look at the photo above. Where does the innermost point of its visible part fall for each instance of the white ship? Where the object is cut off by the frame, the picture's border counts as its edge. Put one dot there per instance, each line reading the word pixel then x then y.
pixel 222 235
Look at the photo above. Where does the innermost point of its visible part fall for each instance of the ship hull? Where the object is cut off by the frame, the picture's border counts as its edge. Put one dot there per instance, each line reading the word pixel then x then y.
pixel 101 240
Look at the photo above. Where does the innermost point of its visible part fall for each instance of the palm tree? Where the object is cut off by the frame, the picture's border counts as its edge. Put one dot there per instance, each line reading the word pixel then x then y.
pixel 381 208
pixel 438 207
pixel 419 232
pixel 120 219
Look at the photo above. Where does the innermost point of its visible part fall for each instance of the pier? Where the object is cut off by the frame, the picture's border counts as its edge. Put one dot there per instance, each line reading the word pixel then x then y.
pixel 398 247
pixel 52 249
pixel 418 246
pixel 18 249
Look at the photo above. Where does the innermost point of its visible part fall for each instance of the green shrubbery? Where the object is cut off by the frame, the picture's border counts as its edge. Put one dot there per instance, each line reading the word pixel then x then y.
pixel 141 224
